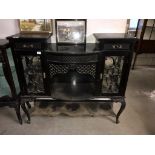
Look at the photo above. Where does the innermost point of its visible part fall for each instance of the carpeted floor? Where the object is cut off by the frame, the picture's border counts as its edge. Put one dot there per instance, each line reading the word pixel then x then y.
pixel 138 117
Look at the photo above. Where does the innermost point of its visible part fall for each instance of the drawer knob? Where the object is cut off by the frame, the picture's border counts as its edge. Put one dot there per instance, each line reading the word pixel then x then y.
pixel 28 46
pixel 117 46
pixel 24 45
pixel 31 45
pixel 38 52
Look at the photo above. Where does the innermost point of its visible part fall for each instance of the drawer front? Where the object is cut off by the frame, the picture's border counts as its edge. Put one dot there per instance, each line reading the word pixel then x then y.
pixel 27 45
pixel 116 46
pixel 75 59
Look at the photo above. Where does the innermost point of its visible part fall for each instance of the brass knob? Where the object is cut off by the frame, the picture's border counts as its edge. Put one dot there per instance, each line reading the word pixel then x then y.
pixel 117 46
pixel 24 45
pixel 31 45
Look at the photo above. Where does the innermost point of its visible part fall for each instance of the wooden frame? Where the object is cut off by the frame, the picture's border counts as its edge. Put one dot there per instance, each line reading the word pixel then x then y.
pixel 144 45
pixel 66 26
pixel 36 25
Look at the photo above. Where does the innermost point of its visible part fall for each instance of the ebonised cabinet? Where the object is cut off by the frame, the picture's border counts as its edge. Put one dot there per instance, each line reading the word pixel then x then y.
pixel 96 72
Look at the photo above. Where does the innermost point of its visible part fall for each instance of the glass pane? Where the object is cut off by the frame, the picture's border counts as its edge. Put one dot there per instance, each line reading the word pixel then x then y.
pixel 153 34
pixel 150 22
pixel 112 74
pixel 4 87
pixel 140 26
pixel 33 74
pixel 147 33
pixel 13 70
pixel 133 24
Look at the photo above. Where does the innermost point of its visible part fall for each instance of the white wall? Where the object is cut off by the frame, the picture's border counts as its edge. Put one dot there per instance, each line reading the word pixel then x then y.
pixel 104 26
pixel 10 27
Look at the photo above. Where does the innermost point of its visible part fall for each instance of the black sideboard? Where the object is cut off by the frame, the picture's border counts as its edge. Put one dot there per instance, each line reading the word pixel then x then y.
pixel 96 72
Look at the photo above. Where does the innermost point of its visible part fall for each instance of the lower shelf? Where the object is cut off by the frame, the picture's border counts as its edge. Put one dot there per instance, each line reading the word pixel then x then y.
pixel 72 109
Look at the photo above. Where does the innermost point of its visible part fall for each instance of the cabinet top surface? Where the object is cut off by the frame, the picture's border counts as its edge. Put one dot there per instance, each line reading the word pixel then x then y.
pixel 75 49
pixel 29 36
pixel 100 36
pixel 88 48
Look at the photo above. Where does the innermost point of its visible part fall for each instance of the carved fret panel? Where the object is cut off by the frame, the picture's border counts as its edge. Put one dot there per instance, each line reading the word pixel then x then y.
pixel 112 74
pixel 33 74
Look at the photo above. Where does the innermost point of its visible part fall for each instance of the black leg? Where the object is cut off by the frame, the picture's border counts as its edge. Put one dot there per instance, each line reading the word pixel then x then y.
pixel 17 108
pixel 28 104
pixel 26 112
pixel 123 104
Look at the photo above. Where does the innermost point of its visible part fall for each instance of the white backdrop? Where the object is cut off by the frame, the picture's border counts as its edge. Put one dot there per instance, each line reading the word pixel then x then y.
pixel 10 27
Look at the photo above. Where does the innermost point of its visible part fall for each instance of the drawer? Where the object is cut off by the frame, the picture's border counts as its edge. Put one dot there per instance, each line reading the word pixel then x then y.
pixel 116 46
pixel 75 59
pixel 27 45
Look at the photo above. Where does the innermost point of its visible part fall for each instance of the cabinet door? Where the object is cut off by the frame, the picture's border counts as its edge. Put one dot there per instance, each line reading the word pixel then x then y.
pixel 113 66
pixel 33 74
pixel 115 74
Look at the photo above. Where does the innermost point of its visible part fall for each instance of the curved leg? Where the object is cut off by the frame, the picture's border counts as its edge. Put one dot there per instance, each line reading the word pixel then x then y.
pixel 17 108
pixel 123 104
pixel 28 104
pixel 26 112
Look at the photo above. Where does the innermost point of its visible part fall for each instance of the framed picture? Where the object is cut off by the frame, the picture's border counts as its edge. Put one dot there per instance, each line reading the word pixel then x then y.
pixel 36 25
pixel 71 31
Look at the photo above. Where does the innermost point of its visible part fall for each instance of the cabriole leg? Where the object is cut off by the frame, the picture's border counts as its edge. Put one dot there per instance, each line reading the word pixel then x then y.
pixel 28 104
pixel 26 112
pixel 123 104
pixel 17 108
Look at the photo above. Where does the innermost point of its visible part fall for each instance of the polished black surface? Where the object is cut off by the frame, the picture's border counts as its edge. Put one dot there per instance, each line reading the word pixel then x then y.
pixel 75 49
pixel 113 36
pixel 30 36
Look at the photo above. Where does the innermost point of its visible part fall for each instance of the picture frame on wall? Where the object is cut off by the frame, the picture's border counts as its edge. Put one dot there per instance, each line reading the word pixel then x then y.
pixel 36 25
pixel 70 31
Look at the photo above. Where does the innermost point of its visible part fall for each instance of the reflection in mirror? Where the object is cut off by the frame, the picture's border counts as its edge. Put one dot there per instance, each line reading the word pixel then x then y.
pixel 131 26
